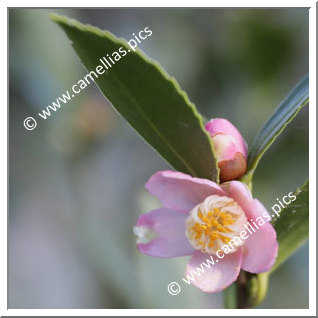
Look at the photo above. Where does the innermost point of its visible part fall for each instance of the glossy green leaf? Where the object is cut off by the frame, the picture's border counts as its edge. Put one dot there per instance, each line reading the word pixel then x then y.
pixel 287 110
pixel 292 226
pixel 150 100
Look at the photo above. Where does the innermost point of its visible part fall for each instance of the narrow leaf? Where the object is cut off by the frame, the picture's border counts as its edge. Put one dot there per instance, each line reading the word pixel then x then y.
pixel 292 226
pixel 284 114
pixel 150 100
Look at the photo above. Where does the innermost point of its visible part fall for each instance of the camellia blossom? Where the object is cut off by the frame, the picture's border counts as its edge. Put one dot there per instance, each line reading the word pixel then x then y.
pixel 229 147
pixel 200 218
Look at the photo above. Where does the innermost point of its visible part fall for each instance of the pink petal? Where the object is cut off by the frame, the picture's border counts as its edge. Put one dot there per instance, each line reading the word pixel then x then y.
pixel 169 229
pixel 179 191
pixel 223 126
pixel 260 210
pixel 260 250
pixel 242 195
pixel 218 276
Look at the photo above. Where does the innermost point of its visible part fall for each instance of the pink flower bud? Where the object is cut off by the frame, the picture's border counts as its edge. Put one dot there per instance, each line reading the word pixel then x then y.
pixel 230 149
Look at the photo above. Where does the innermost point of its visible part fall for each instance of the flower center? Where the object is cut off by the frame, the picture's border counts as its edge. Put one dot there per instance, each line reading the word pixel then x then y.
pixel 214 223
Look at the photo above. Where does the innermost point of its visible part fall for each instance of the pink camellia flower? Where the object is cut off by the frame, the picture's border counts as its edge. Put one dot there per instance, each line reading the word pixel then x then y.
pixel 230 148
pixel 200 218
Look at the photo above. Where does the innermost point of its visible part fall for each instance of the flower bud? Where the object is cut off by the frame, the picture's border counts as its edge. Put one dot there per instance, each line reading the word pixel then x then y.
pixel 229 147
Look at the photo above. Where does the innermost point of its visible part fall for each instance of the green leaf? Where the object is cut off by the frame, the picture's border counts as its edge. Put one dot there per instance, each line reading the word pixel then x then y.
pixel 292 226
pixel 150 100
pixel 284 114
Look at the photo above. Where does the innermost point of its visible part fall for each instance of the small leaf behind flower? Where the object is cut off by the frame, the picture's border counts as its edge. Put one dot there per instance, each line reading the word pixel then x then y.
pixel 292 227
pixel 149 99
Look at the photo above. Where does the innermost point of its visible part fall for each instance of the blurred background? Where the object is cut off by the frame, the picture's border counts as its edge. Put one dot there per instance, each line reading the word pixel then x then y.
pixel 77 180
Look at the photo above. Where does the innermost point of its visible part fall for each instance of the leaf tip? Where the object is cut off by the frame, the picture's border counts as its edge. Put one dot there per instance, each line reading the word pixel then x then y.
pixel 64 21
pixel 57 17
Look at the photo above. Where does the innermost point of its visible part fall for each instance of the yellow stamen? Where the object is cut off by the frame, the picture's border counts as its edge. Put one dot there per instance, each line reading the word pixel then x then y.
pixel 210 227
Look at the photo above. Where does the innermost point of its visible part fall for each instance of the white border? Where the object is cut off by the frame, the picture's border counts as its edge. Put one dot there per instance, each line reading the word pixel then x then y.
pixel 312 164
pixel 163 3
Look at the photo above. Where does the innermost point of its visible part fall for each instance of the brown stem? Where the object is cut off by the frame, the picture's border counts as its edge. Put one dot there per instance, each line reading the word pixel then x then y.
pixel 243 291
pixel 242 295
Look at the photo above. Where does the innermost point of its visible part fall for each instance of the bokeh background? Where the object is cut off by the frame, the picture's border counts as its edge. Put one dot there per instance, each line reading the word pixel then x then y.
pixel 77 180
